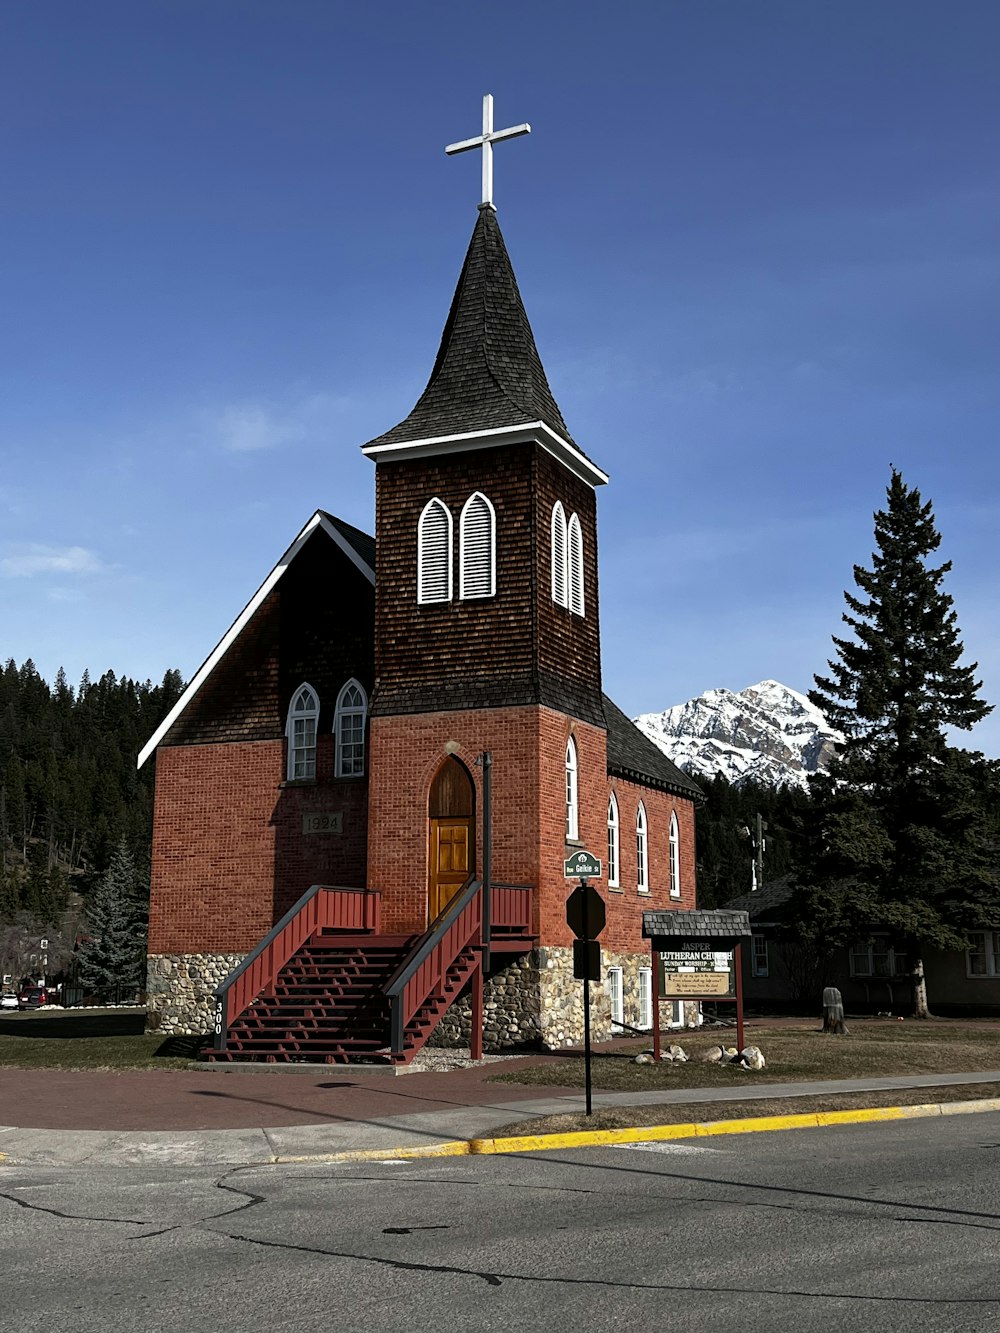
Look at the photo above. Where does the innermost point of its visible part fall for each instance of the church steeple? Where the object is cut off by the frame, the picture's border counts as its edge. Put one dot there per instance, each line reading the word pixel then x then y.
pixel 487 374
pixel 488 378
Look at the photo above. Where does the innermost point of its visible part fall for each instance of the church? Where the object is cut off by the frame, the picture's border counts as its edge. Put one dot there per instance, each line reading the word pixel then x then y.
pixel 366 796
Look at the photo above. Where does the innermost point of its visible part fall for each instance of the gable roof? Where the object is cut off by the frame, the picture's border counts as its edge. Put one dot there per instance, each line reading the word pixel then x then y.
pixel 633 756
pixel 356 545
pixel 765 905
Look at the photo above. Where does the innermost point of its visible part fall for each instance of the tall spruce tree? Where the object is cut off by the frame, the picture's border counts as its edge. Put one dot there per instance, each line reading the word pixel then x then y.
pixel 110 960
pixel 906 822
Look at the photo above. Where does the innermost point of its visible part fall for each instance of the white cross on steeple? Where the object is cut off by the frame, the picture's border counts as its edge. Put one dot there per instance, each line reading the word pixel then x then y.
pixel 485 141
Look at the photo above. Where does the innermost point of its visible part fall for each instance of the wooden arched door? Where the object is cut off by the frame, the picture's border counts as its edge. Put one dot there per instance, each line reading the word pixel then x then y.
pixel 452 842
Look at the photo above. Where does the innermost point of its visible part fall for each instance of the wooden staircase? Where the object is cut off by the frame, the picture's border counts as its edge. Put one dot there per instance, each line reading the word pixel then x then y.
pixel 317 991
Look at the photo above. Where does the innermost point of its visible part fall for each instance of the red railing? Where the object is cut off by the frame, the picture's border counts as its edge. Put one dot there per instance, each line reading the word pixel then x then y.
pixel 323 907
pixel 422 973
pixel 511 907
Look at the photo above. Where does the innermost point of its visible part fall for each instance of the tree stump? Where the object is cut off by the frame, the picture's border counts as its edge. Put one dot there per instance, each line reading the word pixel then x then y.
pixel 833 1012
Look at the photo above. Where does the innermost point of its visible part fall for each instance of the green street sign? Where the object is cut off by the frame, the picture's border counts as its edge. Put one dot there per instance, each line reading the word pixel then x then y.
pixel 581 865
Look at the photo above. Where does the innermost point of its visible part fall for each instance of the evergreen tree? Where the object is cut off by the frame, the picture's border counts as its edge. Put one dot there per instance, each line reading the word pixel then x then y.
pixel 111 958
pixel 904 837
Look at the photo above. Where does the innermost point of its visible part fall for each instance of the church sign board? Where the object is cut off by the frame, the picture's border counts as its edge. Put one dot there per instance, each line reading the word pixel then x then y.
pixel 696 956
pixel 699 972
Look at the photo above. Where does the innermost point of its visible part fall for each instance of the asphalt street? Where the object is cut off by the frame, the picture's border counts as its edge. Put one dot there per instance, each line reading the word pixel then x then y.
pixel 867 1227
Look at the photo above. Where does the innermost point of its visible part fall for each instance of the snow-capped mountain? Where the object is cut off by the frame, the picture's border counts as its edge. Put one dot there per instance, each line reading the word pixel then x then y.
pixel 767 732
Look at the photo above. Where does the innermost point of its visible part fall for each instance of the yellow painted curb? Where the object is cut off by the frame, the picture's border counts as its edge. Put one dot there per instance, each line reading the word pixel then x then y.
pixel 597 1138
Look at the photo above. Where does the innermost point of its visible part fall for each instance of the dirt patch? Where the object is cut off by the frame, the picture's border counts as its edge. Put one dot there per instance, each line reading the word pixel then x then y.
pixel 627 1117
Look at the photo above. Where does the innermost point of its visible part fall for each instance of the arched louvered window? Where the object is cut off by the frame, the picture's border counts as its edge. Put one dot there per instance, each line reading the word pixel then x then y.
pixel 434 546
pixel 349 730
pixel 572 792
pixel 641 851
pixel 574 562
pixel 477 534
pixel 613 843
pixel 560 594
pixel 675 858
pixel 303 715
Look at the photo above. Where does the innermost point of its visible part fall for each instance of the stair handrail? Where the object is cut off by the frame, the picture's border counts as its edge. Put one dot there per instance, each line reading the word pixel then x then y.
pixel 263 963
pixel 433 938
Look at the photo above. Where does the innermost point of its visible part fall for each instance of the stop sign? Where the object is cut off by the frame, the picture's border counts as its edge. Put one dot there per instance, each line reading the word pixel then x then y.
pixel 585 912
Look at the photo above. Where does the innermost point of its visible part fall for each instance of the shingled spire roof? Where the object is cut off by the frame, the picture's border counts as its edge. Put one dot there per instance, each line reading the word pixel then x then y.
pixel 488 375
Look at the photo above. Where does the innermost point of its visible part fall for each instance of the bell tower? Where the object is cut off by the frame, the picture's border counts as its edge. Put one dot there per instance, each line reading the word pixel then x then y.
pixel 487 613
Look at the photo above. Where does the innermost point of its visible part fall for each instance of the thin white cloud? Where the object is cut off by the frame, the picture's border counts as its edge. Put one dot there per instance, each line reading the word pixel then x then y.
pixel 252 427
pixel 35 558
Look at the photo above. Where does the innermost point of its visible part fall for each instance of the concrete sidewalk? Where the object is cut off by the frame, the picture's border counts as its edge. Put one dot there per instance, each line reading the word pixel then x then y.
pixel 473 1110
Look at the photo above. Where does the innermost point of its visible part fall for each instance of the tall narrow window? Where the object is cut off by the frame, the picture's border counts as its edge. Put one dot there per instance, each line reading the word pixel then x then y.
pixel 759 957
pixel 572 792
pixel 641 851
pixel 645 998
pixel 349 730
pixel 574 574
pixel 560 593
pixel 477 548
pixel 675 858
pixel 613 842
pixel 616 996
pixel 434 546
pixel 303 714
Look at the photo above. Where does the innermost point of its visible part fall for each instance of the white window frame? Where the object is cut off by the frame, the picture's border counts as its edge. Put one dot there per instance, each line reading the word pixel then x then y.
pixel 470 581
pixel 572 792
pixel 645 999
pixel 427 575
pixel 989 952
pixel 560 567
pixel 675 856
pixel 615 985
pixel 347 713
pixel 759 963
pixel 574 566
pixel 614 842
pixel 863 954
pixel 641 850
pixel 303 755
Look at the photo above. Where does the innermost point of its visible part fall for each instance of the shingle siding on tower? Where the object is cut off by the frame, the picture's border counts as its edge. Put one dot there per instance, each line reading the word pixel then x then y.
pixel 514 648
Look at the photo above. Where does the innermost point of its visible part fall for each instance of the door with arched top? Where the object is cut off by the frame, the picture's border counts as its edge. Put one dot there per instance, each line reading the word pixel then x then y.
pixel 452 840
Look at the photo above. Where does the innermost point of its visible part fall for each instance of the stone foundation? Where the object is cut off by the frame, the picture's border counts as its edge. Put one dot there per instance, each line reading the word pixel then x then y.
pixel 181 988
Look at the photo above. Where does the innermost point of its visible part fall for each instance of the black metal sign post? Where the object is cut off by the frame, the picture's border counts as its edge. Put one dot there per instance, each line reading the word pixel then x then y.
pixel 586 917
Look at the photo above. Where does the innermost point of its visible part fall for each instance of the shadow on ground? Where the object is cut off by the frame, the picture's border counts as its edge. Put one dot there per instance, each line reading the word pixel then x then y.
pixel 68 1023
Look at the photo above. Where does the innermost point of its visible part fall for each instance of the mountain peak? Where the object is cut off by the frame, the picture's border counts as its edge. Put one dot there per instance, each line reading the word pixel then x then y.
pixel 767 733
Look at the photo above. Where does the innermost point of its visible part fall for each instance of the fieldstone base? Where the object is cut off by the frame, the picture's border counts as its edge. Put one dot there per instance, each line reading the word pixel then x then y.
pixel 180 989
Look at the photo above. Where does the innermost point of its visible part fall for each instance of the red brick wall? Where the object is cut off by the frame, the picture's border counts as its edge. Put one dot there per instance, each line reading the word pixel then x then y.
pixel 229 853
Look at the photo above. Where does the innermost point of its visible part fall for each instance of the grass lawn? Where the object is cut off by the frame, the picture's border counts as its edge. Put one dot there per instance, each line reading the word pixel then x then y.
pixel 793 1054
pixel 88 1039
pixel 625 1117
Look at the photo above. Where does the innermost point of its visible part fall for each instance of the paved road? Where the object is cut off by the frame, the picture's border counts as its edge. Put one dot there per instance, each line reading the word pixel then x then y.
pixel 874 1227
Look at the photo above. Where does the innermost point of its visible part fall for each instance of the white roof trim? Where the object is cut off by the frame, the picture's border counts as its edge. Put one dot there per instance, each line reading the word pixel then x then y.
pixel 536 431
pixel 318 520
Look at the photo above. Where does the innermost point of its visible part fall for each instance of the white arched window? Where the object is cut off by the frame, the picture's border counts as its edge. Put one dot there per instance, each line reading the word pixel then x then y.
pixel 572 792
pixel 613 843
pixel 560 593
pixel 434 547
pixel 574 564
pixel 641 851
pixel 303 715
pixel 675 858
pixel 349 730
pixel 477 536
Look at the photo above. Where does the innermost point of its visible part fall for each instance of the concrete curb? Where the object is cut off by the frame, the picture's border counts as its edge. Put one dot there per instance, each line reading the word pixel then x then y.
pixel 654 1133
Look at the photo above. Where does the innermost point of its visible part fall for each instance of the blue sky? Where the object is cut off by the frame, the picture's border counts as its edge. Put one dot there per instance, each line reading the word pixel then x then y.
pixel 758 243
